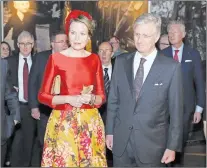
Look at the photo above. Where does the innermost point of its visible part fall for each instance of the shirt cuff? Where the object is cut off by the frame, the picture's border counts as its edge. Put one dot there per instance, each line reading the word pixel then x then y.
pixel 198 109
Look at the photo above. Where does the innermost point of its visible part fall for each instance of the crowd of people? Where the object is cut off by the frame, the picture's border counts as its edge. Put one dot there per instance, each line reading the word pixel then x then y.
pixel 68 107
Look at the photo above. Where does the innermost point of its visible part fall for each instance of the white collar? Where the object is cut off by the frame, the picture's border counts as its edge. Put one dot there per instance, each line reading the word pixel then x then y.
pixel 22 57
pixel 108 66
pixel 149 57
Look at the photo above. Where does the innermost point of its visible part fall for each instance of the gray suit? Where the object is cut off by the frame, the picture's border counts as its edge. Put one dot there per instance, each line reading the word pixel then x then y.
pixel 154 122
pixel 10 95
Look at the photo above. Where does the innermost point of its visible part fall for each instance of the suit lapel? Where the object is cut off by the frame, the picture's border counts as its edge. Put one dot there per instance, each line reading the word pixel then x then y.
pixel 184 55
pixel 170 50
pixel 155 71
pixel 129 71
pixel 17 70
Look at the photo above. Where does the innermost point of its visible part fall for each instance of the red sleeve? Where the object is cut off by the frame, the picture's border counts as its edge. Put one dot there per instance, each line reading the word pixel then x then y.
pixel 44 95
pixel 100 83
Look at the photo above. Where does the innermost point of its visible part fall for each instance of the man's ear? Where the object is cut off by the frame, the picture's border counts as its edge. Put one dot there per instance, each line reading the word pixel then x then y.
pixel 184 34
pixel 112 53
pixel 52 44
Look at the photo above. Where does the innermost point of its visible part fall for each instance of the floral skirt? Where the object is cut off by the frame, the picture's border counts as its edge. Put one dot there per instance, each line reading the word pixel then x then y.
pixel 74 139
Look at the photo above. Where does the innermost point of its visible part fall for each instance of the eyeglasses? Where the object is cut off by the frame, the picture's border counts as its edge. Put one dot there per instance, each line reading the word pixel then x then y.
pixel 62 41
pixel 145 36
pixel 25 44
pixel 165 44
pixel 5 49
pixel 104 51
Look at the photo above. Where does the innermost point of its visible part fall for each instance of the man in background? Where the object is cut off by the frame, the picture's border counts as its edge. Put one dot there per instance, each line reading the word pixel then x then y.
pixel 8 94
pixel 193 82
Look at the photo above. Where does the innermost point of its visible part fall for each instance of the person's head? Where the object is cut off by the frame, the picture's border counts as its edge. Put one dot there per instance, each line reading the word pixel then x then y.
pixel 114 41
pixel 59 41
pixel 147 28
pixel 25 43
pixel 176 33
pixel 164 42
pixel 5 49
pixel 80 27
pixel 21 6
pixel 105 53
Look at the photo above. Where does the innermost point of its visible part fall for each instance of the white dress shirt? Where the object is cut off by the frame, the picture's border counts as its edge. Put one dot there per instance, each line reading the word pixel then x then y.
pixel 20 75
pixel 109 70
pixel 180 53
pixel 147 65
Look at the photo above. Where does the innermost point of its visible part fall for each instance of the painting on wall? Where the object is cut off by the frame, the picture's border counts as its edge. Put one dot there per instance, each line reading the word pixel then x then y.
pixel 41 18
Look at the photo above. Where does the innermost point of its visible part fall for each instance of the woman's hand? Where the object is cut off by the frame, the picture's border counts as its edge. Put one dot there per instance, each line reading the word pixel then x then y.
pixel 74 101
pixel 86 98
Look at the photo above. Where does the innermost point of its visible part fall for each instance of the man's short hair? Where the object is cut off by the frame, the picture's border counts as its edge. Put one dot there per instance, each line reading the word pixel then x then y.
pixel 25 34
pixel 178 22
pixel 55 33
pixel 149 18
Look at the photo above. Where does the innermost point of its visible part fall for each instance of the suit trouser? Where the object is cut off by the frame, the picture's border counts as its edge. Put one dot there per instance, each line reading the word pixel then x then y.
pixel 3 153
pixel 39 142
pixel 130 159
pixel 23 139
pixel 187 121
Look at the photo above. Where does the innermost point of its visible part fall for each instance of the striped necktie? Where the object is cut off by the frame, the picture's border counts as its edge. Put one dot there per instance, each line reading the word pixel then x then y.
pixel 106 81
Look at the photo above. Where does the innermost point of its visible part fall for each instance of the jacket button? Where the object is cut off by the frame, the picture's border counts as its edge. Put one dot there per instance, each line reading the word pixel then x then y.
pixel 131 127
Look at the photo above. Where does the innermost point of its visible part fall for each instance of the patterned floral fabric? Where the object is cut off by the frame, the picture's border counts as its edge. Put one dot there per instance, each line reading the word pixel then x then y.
pixel 74 139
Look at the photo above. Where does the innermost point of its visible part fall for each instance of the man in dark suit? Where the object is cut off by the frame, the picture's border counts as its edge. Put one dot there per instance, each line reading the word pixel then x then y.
pixel 193 82
pixel 39 111
pixel 7 121
pixel 105 52
pixel 145 105
pixel 19 68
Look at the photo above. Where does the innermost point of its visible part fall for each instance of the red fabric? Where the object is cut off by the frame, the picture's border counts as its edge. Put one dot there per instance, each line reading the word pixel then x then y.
pixel 176 56
pixel 25 79
pixel 73 15
pixel 74 73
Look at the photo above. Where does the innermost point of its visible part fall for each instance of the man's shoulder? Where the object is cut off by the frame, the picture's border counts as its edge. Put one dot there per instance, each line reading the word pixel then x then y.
pixel 12 58
pixel 166 60
pixel 190 49
pixel 43 54
pixel 166 50
pixel 125 55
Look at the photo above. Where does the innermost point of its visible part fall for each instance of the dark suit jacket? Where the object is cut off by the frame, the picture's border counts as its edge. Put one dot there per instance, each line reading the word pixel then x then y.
pixel 160 101
pixel 10 95
pixel 193 82
pixel 103 108
pixel 14 66
pixel 35 80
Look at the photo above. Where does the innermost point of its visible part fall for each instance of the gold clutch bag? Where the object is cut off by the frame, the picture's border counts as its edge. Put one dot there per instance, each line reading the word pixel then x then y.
pixel 56 85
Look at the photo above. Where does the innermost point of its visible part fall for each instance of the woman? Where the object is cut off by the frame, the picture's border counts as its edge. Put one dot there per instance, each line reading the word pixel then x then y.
pixel 5 49
pixel 75 132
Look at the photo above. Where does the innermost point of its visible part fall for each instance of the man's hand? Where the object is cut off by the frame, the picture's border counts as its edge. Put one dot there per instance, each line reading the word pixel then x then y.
pixel 196 117
pixel 15 122
pixel 109 141
pixel 169 156
pixel 35 113
pixel 16 88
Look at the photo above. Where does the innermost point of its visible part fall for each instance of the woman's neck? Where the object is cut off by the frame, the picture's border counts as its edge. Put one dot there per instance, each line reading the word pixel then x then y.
pixel 77 53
